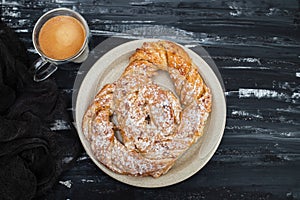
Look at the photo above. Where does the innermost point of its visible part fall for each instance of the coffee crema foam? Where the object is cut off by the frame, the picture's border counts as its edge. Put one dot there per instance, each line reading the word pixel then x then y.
pixel 61 37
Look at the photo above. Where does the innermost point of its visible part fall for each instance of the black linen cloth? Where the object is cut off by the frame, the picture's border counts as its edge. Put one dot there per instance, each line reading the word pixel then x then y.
pixel 32 156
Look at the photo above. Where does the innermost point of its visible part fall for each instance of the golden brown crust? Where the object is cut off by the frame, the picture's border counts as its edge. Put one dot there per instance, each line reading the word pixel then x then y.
pixel 155 126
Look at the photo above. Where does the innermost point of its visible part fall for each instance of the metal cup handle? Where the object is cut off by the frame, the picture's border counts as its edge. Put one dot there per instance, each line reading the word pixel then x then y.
pixel 42 69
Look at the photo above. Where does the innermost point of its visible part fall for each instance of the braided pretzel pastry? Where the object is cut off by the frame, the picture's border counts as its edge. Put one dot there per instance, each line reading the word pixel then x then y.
pixel 155 126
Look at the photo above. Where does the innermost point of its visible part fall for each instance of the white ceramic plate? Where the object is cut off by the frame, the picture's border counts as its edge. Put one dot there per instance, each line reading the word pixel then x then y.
pixel 108 68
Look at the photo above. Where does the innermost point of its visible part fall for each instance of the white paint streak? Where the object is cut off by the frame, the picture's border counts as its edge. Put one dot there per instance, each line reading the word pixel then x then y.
pixel 65 1
pixel 70 109
pixel 67 183
pixel 245 114
pixel 32 50
pixel 68 91
pixel 60 125
pixel 67 159
pixel 273 11
pixel 87 180
pixel 146 2
pixel 288 110
pixel 134 31
pixel 250 60
pixel 190 45
pixel 7 13
pixel 83 158
pixel 136 22
pixel 263 133
pixel 287 134
pixel 10 3
pixel 296 95
pixel 81 72
pixel 22 30
pixel 245 67
pixel 260 93
pixel 236 9
pixel 230 93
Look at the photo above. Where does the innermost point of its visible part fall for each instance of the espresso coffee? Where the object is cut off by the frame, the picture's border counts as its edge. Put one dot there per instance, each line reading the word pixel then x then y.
pixel 61 37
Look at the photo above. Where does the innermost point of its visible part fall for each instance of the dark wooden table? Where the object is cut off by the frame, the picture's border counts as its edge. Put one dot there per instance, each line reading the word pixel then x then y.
pixel 256 47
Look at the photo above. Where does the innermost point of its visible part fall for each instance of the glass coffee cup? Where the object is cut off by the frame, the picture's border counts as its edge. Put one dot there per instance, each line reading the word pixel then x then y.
pixel 59 36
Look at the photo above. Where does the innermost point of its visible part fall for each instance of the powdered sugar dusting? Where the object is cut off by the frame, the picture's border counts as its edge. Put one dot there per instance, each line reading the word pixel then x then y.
pixel 156 127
